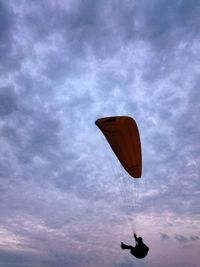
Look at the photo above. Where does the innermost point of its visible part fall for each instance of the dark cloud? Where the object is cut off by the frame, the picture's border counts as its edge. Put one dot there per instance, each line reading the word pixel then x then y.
pixel 164 236
pixel 181 238
pixel 8 101
pixel 162 18
pixel 194 238
pixel 9 56
pixel 7 22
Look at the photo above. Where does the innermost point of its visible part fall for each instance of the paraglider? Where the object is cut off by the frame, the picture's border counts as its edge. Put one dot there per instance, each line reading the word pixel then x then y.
pixel 122 134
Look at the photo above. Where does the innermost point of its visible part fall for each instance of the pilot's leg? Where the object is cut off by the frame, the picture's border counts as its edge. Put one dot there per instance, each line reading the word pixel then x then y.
pixel 124 246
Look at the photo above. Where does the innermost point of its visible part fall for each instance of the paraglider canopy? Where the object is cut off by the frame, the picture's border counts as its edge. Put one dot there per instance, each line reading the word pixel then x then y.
pixel 123 136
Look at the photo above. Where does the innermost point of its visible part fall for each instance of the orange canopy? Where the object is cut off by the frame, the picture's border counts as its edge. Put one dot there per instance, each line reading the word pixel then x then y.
pixel 123 136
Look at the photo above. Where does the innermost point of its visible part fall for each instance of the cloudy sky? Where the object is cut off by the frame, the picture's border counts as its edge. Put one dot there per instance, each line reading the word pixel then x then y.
pixel 64 198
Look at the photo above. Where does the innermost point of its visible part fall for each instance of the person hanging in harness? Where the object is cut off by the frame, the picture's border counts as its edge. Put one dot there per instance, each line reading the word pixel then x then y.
pixel 140 250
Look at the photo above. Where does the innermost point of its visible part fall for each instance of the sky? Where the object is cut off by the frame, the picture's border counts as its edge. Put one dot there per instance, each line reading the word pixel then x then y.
pixel 64 198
